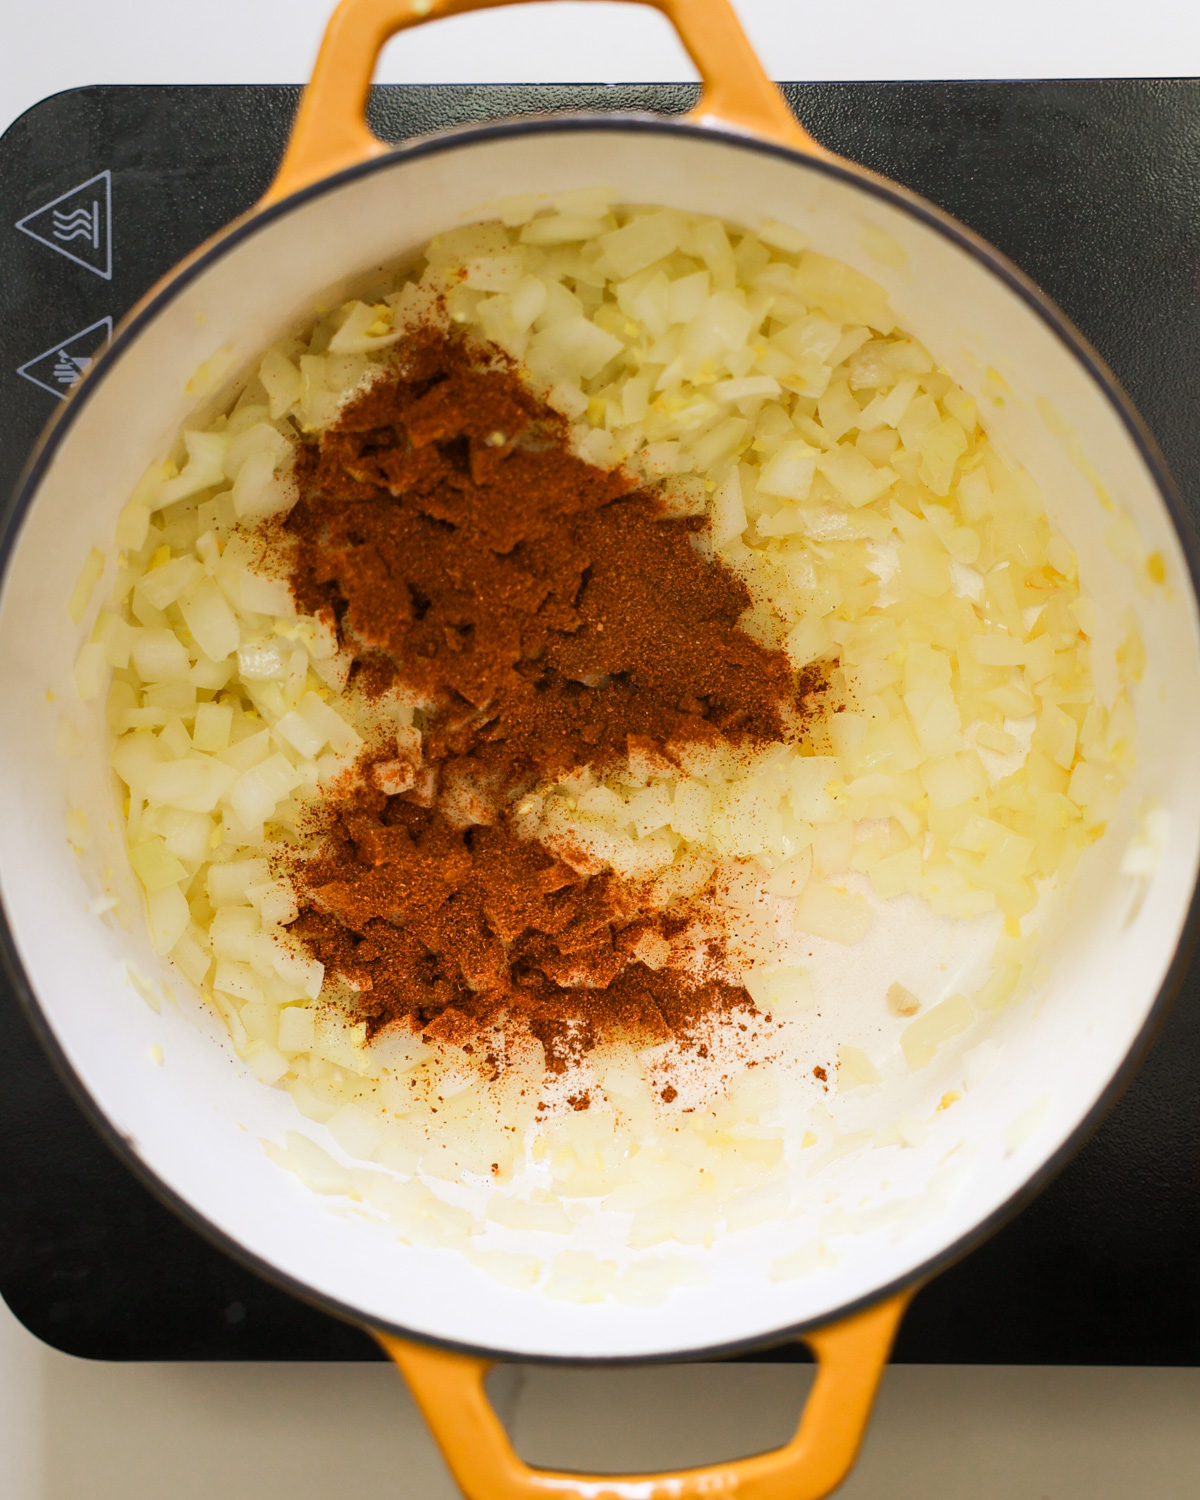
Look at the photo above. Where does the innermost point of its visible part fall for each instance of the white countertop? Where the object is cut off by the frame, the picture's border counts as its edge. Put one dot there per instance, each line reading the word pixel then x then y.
pixel 70 1430
pixel 61 44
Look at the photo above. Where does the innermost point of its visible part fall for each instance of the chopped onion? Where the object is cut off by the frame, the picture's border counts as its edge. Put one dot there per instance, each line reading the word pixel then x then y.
pixel 846 480
pixel 926 1034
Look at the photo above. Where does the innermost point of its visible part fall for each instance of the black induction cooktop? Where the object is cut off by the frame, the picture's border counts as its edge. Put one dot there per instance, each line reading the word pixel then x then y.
pixel 1093 189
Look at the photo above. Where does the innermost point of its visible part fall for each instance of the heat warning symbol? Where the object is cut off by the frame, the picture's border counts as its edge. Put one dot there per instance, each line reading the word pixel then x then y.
pixel 78 224
pixel 60 368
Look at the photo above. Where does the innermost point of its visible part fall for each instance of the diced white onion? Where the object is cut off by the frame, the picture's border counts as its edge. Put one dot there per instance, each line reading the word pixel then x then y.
pixel 846 480
pixel 169 915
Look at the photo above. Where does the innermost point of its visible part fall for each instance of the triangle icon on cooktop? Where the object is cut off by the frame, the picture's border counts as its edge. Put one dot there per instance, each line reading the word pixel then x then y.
pixel 60 368
pixel 77 224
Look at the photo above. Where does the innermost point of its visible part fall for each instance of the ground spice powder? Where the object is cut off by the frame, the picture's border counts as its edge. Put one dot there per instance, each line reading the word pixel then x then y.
pixel 548 612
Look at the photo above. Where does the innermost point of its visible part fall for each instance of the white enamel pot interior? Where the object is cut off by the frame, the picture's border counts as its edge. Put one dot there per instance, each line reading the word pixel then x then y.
pixel 193 1125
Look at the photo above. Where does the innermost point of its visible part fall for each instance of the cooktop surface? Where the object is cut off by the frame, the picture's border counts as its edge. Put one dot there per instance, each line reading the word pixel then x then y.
pixel 1093 189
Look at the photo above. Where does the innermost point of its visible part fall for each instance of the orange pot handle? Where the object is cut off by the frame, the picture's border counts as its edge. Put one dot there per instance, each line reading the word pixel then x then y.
pixel 850 1359
pixel 331 130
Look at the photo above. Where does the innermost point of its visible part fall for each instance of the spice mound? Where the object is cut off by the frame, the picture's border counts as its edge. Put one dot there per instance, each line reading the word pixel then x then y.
pixel 536 621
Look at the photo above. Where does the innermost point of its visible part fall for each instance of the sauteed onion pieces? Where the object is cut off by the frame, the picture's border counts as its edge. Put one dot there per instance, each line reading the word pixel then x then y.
pixel 844 477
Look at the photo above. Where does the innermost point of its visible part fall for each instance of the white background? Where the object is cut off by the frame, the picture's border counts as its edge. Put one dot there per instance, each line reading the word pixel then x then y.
pixel 58 44
pixel 76 1431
